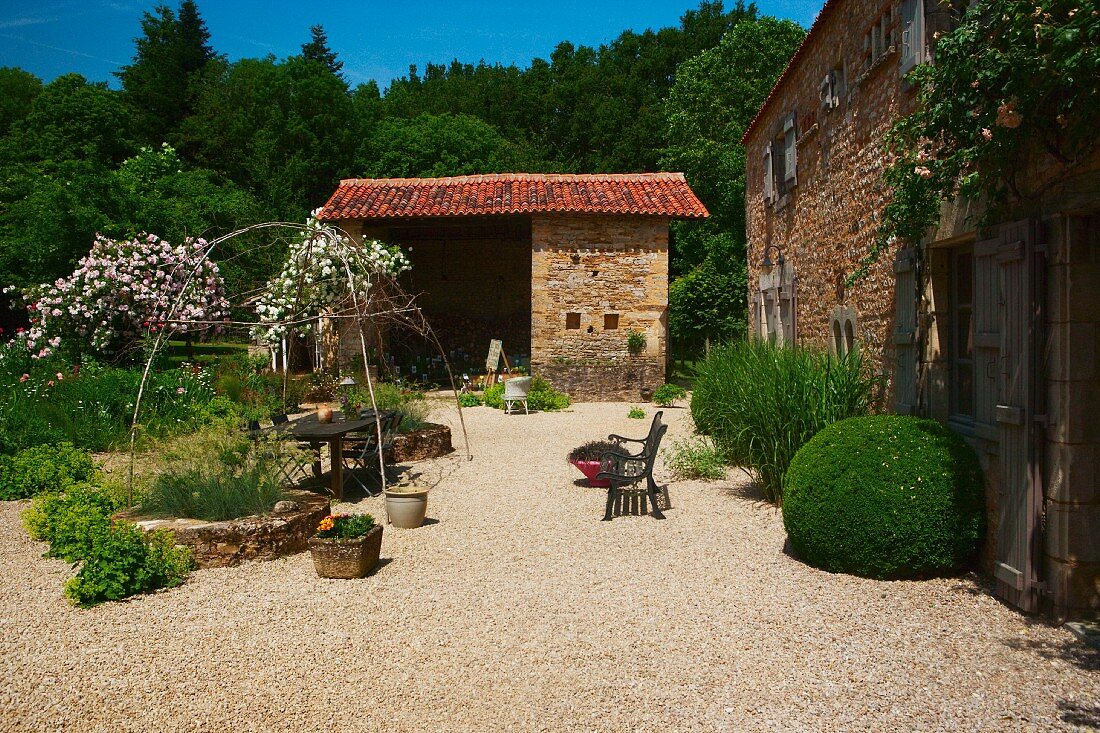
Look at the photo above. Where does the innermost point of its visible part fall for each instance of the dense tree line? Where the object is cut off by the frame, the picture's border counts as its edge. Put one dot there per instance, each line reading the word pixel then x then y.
pixel 193 144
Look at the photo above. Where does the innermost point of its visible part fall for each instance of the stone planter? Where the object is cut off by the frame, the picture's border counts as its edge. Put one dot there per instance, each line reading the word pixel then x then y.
pixel 354 558
pixel 406 509
pixel 262 537
pixel 430 441
pixel 591 469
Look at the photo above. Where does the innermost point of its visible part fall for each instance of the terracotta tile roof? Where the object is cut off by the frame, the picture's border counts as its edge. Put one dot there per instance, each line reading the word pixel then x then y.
pixel 815 28
pixel 659 194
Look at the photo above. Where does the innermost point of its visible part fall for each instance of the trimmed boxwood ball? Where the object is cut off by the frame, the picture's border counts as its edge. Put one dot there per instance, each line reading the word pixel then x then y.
pixel 885 496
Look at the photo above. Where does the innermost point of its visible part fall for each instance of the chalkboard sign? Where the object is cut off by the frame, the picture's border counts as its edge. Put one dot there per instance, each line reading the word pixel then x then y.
pixel 493 360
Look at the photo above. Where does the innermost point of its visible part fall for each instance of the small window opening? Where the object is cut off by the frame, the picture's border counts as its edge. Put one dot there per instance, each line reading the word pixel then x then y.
pixel 572 321
pixel 610 321
pixel 595 273
pixel 591 329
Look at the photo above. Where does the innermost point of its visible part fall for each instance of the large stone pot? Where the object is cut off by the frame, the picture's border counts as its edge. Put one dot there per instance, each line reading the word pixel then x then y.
pixel 354 558
pixel 406 509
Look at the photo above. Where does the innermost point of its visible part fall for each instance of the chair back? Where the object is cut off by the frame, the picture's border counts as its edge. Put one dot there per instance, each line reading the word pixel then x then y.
pixel 517 388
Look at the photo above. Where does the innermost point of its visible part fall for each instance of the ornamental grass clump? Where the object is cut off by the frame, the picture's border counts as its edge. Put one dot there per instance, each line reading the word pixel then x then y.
pixel 219 474
pixel 761 402
pixel 885 496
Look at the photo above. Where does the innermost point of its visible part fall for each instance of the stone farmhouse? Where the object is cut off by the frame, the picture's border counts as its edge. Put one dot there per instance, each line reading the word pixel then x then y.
pixel 994 331
pixel 560 267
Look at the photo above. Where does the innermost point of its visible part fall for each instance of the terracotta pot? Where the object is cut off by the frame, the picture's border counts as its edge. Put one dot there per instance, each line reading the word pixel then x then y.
pixel 406 509
pixel 590 469
pixel 324 414
pixel 354 558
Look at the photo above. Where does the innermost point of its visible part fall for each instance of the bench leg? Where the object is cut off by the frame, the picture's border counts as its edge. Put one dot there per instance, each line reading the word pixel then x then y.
pixel 612 494
pixel 651 490
pixel 655 490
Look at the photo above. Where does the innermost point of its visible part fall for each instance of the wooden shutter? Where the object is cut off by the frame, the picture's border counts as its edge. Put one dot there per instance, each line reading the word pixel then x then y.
pixel 789 133
pixel 905 331
pixel 912 34
pixel 987 336
pixel 1020 272
pixel 769 184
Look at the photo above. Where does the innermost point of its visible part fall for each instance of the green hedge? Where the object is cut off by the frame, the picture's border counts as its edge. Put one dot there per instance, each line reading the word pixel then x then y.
pixel 885 496
pixel 761 402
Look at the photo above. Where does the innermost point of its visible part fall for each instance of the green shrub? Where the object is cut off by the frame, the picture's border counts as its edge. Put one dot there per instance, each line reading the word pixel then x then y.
pixel 667 394
pixel 542 396
pixel 44 468
pixel 696 458
pixel 635 341
pixel 760 403
pixel 469 399
pixel 636 413
pixel 410 405
pixel 69 521
pixel 122 561
pixel 219 474
pixel 885 496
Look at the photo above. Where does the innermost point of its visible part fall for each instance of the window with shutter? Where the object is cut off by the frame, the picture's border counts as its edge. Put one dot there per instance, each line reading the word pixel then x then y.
pixel 769 184
pixel 912 35
pixel 905 331
pixel 790 176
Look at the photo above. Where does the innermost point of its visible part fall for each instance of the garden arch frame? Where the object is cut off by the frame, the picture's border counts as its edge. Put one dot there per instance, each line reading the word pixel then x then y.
pixel 374 296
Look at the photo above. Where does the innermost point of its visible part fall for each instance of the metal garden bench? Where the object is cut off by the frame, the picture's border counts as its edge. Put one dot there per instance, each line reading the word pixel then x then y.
pixel 625 470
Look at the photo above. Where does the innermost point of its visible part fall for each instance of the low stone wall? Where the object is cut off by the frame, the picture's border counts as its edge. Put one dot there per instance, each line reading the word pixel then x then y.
pixel 261 537
pixel 430 441
pixel 613 382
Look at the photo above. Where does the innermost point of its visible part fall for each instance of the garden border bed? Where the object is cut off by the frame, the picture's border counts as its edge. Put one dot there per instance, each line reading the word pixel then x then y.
pixel 258 537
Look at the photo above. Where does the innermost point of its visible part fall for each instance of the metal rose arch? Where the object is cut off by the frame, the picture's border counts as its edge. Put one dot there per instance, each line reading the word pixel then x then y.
pixel 325 275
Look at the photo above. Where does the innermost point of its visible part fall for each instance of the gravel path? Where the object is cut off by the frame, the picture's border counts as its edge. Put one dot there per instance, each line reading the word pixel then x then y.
pixel 519 610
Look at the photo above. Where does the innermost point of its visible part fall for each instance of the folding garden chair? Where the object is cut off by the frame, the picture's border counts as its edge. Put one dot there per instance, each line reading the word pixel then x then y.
pixel 361 450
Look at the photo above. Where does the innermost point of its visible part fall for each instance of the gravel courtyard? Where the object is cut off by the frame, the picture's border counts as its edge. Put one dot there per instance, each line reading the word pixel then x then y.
pixel 517 609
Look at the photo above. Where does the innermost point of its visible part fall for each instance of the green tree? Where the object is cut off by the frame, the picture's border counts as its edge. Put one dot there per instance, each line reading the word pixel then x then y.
pixel 716 95
pixel 18 89
pixel 439 145
pixel 71 119
pixel 318 50
pixel 170 52
pixel 279 130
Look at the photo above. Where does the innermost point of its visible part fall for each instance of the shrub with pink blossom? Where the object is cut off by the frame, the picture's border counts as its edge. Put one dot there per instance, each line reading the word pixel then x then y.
pixel 124 290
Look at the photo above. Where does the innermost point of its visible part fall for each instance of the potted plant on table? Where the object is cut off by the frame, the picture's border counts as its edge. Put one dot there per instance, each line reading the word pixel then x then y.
pixel 587 459
pixel 346 545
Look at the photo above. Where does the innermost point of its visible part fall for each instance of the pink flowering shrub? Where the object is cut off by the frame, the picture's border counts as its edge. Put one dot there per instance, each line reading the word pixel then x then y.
pixel 123 290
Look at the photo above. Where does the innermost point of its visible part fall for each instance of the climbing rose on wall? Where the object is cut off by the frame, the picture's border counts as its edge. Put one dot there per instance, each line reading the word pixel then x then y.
pixel 123 290
pixel 321 272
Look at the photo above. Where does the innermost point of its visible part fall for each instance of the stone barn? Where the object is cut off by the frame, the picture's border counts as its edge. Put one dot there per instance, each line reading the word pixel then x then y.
pixel 994 331
pixel 561 268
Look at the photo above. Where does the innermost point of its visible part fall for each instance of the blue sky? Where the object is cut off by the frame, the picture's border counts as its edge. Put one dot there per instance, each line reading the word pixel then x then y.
pixel 376 40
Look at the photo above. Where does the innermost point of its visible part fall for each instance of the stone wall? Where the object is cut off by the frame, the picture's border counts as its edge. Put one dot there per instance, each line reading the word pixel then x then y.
pixel 623 381
pixel 264 537
pixel 826 223
pixel 594 279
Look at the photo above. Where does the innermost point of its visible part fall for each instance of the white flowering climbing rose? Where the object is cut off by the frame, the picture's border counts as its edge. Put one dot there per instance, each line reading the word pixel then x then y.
pixel 321 272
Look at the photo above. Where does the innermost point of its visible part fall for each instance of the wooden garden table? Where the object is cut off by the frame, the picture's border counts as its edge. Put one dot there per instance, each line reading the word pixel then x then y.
pixel 308 430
